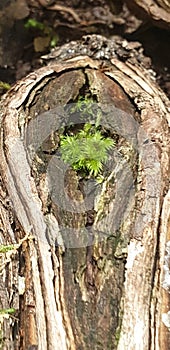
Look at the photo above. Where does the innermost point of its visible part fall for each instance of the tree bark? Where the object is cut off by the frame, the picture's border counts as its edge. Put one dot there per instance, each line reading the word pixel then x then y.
pixel 156 11
pixel 94 267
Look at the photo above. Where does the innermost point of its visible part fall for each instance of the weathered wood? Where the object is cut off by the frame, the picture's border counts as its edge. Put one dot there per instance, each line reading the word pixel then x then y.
pixel 87 284
pixel 157 11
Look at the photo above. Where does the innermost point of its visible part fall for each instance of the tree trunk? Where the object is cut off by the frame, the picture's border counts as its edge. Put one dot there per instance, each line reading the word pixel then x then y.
pixel 85 264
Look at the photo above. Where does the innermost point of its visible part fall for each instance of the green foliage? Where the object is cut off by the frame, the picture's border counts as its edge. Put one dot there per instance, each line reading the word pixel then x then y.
pixel 47 32
pixel 6 248
pixel 84 105
pixel 33 23
pixel 54 40
pixel 88 109
pixel 5 86
pixel 9 311
pixel 87 150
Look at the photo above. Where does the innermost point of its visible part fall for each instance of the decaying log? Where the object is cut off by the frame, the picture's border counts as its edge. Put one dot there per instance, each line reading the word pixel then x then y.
pixel 94 268
pixel 158 11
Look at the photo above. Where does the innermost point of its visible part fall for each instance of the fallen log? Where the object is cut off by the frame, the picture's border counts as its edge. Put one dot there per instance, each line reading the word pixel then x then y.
pixel 85 260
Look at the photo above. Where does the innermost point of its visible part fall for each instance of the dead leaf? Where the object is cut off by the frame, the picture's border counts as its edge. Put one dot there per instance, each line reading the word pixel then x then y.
pixel 41 43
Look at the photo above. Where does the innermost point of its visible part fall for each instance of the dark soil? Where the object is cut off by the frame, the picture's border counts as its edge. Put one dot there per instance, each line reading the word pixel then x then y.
pixel 21 48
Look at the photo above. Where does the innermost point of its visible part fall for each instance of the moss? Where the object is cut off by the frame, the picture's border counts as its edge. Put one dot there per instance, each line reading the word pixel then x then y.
pixel 4 87
pixel 7 248
pixel 86 149
pixel 9 311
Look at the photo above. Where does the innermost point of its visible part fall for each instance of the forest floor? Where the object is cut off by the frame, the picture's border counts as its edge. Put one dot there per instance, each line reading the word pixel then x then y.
pixel 31 28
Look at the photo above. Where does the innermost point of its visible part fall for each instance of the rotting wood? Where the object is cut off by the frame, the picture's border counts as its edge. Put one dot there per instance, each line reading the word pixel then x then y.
pixel 158 11
pixel 106 291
